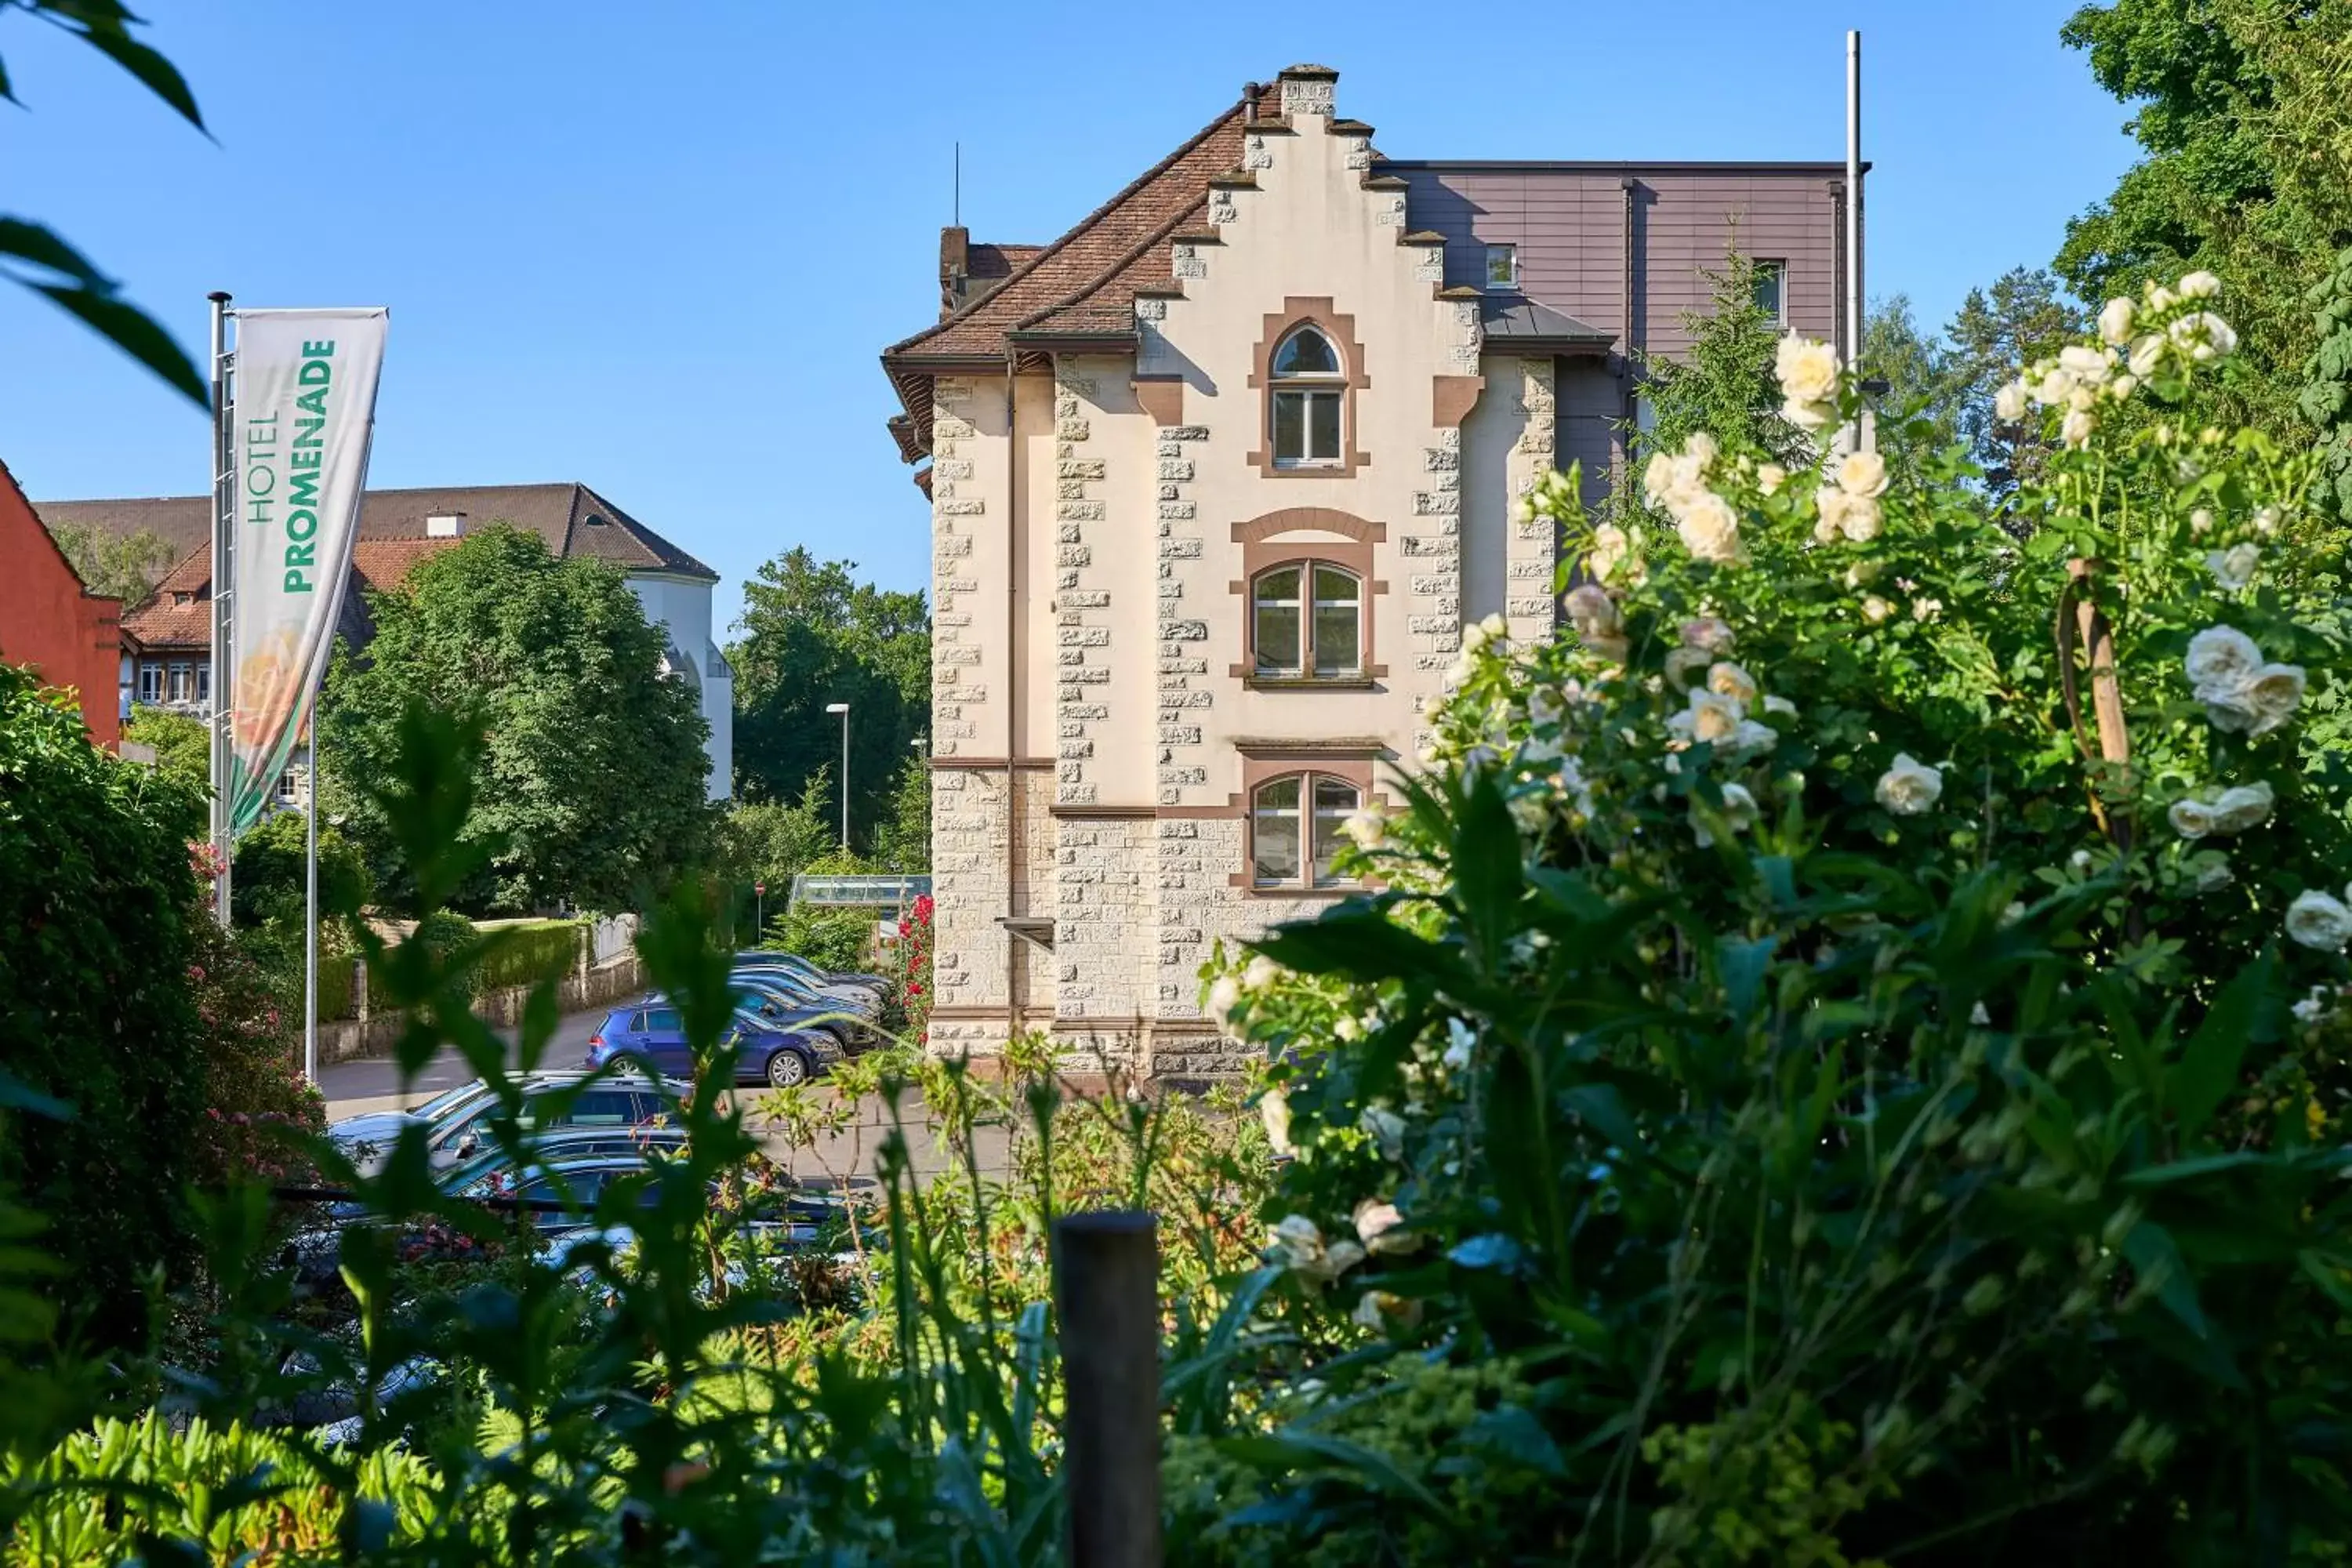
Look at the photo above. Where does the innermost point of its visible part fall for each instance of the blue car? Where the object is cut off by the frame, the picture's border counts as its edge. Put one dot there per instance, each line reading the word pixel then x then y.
pixel 653 1035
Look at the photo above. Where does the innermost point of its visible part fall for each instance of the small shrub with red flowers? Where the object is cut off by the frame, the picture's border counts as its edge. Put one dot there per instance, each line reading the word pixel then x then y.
pixel 911 968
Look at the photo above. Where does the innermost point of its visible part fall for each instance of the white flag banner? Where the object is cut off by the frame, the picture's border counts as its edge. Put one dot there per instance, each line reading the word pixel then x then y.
pixel 305 404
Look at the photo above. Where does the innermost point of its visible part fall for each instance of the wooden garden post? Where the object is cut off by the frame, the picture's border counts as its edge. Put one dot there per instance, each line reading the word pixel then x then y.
pixel 1107 1296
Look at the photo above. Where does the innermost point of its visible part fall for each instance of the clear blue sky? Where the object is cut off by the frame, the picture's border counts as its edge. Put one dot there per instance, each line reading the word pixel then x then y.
pixel 658 248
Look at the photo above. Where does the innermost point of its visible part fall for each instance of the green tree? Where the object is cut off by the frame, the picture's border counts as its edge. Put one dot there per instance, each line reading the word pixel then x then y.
pixel 1995 333
pixel 119 566
pixel 812 636
pixel 2243 109
pixel 593 780
pixel 267 882
pixel 771 841
pixel 902 839
pixel 1915 369
pixel 97 894
pixel 183 749
pixel 1723 383
pixel 2327 398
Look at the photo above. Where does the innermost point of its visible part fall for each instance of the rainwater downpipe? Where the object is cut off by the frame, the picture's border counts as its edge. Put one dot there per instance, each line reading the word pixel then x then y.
pixel 1626 385
pixel 1012 691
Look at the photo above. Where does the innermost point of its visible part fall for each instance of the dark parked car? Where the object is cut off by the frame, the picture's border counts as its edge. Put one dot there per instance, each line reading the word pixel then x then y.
pixel 456 1121
pixel 653 1035
pixel 757 956
pixel 789 981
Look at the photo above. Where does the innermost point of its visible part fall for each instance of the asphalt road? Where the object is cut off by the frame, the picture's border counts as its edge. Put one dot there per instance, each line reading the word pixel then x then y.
pixel 355 1088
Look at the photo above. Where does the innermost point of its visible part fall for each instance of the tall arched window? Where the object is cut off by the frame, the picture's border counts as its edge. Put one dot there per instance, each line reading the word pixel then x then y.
pixel 1307 618
pixel 1306 385
pixel 1295 823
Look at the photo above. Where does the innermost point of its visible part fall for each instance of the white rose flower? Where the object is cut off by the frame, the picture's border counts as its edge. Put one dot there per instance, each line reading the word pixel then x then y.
pixel 2314 1007
pixel 1658 479
pixel 2206 336
pixel 2160 298
pixel 1494 626
pixel 2146 354
pixel 1910 787
pixel 1807 370
pixel 1224 995
pixel 1875 609
pixel 2190 818
pixel 1727 679
pixel 1261 973
pixel 1863 573
pixel 2200 285
pixel 1613 649
pixel 2213 875
pixel 2228 708
pixel 2116 321
pixel 2201 521
pixel 1688 480
pixel 2087 365
pixel 1709 529
pixel 1859 520
pixel 1770 476
pixel 1809 416
pixel 2233 568
pixel 1367 828
pixel 1712 634
pixel 2222 656
pixel 1738 815
pixel 2274 693
pixel 1863 474
pixel 2315 919
pixel 2266 521
pixel 1925 609
pixel 1274 1112
pixel 1750 737
pixel 1348 1030
pixel 1709 716
pixel 1544 707
pixel 1610 546
pixel 2008 403
pixel 2054 387
pixel 2247 806
pixel 1474 638
pixel 1382 1229
pixel 1589 609
pixel 2080 860
pixel 2077 427
pixel 2123 386
pixel 1703 447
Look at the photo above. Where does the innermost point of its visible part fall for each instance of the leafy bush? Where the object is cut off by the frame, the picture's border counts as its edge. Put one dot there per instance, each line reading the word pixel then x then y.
pixel 103 1495
pixel 256 1104
pixel 1872 1063
pixel 97 902
pixel 267 882
pixel 528 954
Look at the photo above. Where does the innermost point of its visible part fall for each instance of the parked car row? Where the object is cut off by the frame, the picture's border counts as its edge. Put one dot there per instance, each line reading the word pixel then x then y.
pixel 791 1020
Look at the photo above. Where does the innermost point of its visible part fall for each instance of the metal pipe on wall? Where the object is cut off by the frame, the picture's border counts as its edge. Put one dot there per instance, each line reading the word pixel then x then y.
pixel 1012 687
pixel 1853 199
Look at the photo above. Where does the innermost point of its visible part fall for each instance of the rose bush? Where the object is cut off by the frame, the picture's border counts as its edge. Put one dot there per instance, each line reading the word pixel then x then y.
pixel 1856 1031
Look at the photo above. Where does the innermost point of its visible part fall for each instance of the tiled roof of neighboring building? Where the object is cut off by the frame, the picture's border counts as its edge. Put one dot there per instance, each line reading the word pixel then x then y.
pixel 162 621
pixel 983 261
pixel 383 563
pixel 572 518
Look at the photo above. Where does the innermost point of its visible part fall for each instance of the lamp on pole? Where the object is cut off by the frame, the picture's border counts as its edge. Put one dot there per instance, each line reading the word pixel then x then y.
pixel 843 708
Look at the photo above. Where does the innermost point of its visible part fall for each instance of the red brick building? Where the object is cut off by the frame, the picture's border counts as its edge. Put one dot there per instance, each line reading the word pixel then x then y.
pixel 71 636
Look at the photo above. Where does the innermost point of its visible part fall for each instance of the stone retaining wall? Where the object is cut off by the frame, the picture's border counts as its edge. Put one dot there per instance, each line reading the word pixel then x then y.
pixel 580 990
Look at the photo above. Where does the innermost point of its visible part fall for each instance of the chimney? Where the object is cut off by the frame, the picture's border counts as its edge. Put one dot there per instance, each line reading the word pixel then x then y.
pixel 444 525
pixel 955 266
pixel 1250 90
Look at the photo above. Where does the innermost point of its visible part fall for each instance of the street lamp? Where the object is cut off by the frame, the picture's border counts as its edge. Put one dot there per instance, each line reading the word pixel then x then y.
pixel 843 708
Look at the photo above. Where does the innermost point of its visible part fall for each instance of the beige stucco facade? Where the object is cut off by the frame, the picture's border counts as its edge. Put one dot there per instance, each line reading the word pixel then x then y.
pixel 1129 732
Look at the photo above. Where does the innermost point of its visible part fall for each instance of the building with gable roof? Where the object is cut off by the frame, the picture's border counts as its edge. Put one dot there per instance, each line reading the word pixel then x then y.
pixel 1218 477
pixel 49 621
pixel 167 639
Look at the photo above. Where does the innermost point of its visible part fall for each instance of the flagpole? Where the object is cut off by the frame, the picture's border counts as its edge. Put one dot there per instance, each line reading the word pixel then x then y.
pixel 310 894
pixel 224 702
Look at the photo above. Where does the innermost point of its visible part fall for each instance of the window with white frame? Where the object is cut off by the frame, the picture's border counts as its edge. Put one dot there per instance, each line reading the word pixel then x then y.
pixel 181 685
pixel 151 681
pixel 1502 268
pixel 1295 829
pixel 288 787
pixel 1307 387
pixel 205 682
pixel 1306 619
pixel 1770 282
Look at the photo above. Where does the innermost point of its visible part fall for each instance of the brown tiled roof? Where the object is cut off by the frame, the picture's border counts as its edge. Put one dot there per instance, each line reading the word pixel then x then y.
pixel 985 262
pixel 1081 284
pixel 384 564
pixel 572 519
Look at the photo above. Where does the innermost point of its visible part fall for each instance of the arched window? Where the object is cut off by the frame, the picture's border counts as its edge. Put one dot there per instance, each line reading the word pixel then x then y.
pixel 1295 823
pixel 1307 384
pixel 1307 618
